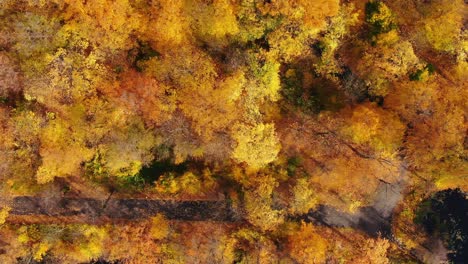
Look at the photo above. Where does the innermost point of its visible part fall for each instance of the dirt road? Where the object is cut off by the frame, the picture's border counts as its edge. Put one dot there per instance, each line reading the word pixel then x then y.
pixel 92 210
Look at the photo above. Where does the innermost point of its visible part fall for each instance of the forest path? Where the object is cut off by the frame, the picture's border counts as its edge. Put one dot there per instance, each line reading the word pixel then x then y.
pixel 374 219
pixel 89 210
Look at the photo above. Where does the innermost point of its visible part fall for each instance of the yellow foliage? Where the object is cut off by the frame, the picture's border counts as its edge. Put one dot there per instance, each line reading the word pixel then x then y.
pixel 339 27
pixel 212 22
pixel 354 206
pixel 300 20
pixel 444 40
pixel 258 203
pixel 129 149
pixel 262 86
pixel 4 211
pixel 374 252
pixel 40 250
pixel 26 126
pixel 23 236
pixel 87 242
pixel 383 16
pixel 252 24
pixel 170 27
pixel 443 23
pixel 256 145
pixel 312 14
pixel 67 77
pixel 454 180
pixel 62 150
pixel 388 38
pixel 304 197
pixel 188 183
pixel 287 46
pixel 108 24
pixel 257 247
pixel 316 12
pixel 380 129
pixel 209 103
pixel 91 245
pixel 172 253
pixel 383 65
pixel 214 109
pixel 270 82
pixel 434 144
pixel 159 227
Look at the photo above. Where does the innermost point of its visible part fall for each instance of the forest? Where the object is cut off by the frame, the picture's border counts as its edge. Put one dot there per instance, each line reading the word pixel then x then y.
pixel 233 131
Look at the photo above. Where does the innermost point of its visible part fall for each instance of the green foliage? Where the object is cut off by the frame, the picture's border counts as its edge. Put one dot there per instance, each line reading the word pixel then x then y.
pixel 132 182
pixel 419 74
pixel 379 17
pixel 292 165
pixel 141 54
pixel 292 90
pixel 96 170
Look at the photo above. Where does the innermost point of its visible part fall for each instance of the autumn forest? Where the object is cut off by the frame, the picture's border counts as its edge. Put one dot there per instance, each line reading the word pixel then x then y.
pixel 233 131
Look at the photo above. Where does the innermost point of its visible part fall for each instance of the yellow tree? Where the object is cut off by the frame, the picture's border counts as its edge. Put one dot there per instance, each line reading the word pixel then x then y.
pixel 380 129
pixel 339 27
pixel 24 130
pixel 304 197
pixel 212 23
pixel 107 25
pixel 256 145
pixel 256 248
pixel 447 15
pixel 208 100
pixel 127 146
pixel 170 25
pixel 301 20
pixel 159 227
pixel 374 251
pixel 4 211
pixel 381 66
pixel 63 147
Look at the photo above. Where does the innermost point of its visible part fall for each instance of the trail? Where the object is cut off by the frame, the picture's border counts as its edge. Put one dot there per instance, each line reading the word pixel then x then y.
pixel 372 219
pixel 375 220
pixel 89 210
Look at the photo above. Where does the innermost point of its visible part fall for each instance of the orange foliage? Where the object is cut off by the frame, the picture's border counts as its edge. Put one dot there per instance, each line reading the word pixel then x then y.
pixel 307 246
